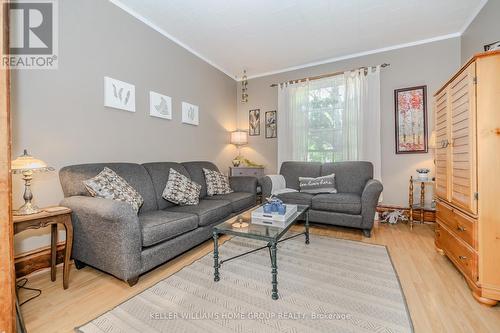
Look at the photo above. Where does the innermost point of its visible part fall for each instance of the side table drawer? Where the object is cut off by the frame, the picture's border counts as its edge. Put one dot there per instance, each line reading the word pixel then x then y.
pixel 253 172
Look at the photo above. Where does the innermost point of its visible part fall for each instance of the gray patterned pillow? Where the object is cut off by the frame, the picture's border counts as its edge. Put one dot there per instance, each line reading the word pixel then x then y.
pixel 217 183
pixel 181 190
pixel 107 184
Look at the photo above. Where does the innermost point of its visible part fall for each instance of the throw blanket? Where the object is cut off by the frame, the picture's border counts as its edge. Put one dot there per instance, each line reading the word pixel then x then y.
pixel 278 185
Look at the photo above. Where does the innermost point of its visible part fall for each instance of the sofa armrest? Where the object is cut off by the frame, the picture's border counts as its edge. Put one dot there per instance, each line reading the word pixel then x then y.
pixel 266 185
pixel 369 201
pixel 107 235
pixel 243 184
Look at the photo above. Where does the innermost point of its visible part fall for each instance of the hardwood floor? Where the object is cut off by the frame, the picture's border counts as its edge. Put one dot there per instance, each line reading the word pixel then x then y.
pixel 437 295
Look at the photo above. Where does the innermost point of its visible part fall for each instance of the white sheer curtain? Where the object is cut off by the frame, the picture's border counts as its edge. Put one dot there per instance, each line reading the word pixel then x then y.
pixel 352 117
pixel 293 103
pixel 351 107
pixel 362 114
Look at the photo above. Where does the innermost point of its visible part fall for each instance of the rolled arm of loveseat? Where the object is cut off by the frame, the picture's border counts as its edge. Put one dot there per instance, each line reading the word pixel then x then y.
pixel 107 235
pixel 266 185
pixel 246 184
pixel 369 201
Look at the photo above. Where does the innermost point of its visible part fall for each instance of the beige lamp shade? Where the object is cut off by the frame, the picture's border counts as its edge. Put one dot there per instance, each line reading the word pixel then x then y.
pixel 27 162
pixel 27 165
pixel 239 138
pixel 432 140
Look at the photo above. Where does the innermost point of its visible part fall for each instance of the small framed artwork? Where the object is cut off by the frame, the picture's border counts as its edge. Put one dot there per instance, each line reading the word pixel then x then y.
pixel 411 120
pixel 190 114
pixel 254 122
pixel 160 105
pixel 271 125
pixel 119 94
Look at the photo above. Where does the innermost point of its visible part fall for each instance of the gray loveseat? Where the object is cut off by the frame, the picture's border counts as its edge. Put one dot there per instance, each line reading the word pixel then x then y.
pixel 353 206
pixel 110 236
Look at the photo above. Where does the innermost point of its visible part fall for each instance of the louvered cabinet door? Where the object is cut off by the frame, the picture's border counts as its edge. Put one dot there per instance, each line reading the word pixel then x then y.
pixel 442 142
pixel 462 95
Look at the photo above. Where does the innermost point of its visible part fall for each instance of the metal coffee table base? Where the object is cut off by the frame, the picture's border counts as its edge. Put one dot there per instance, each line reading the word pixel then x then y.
pixel 271 246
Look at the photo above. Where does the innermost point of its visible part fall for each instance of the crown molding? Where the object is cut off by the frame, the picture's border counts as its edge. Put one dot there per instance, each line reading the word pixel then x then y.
pixel 357 55
pixel 169 36
pixel 473 16
pixel 311 64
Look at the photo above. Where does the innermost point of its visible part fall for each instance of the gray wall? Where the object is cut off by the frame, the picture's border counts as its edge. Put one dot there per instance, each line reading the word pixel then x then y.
pixel 484 29
pixel 59 114
pixel 429 64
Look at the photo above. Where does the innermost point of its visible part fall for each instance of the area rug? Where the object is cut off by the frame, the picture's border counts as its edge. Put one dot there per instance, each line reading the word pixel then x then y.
pixel 330 285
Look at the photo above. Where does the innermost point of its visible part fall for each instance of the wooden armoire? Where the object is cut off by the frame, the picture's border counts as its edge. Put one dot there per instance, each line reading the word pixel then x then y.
pixel 467 111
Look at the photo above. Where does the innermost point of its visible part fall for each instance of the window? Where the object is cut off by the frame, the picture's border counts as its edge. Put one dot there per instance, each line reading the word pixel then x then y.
pixel 324 121
pixel 331 119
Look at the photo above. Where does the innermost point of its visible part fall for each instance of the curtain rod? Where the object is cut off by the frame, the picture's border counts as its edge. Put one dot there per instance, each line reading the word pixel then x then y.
pixel 311 78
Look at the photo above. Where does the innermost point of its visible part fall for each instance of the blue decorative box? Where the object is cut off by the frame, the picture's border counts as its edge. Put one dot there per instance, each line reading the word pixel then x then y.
pixel 274 206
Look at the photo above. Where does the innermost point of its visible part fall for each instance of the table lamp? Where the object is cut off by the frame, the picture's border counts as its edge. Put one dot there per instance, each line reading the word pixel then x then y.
pixel 238 138
pixel 27 165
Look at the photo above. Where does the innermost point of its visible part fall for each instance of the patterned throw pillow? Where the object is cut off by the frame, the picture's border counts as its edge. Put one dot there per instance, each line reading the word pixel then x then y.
pixel 181 190
pixel 324 184
pixel 107 184
pixel 217 183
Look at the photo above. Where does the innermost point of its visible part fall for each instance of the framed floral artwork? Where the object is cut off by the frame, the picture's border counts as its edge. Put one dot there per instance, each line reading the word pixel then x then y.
pixel 411 120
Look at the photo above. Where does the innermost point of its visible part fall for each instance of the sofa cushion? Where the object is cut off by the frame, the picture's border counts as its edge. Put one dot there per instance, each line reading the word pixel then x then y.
pixel 239 200
pixel 293 170
pixel 350 176
pixel 108 185
pixel 208 211
pixel 159 172
pixel 181 190
pixel 72 178
pixel 195 170
pixel 298 198
pixel 348 203
pixel 159 225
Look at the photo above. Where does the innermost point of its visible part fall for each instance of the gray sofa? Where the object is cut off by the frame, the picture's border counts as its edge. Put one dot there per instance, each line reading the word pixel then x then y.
pixel 353 206
pixel 110 236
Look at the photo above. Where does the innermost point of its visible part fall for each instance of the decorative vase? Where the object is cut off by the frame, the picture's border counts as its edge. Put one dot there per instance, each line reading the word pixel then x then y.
pixel 423 174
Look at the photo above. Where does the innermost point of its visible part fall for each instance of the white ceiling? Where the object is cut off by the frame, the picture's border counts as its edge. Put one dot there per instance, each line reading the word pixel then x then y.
pixel 269 36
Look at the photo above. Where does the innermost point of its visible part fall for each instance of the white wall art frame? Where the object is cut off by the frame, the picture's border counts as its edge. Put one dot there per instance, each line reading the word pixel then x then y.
pixel 119 94
pixel 160 105
pixel 190 114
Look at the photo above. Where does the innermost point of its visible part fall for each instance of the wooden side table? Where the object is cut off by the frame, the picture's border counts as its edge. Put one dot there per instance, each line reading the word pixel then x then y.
pixel 421 205
pixel 50 216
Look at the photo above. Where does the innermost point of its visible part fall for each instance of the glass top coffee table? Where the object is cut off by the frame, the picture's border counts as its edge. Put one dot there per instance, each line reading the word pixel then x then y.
pixel 270 234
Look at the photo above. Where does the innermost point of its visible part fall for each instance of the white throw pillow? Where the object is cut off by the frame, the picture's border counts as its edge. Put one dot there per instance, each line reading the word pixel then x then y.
pixel 324 184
